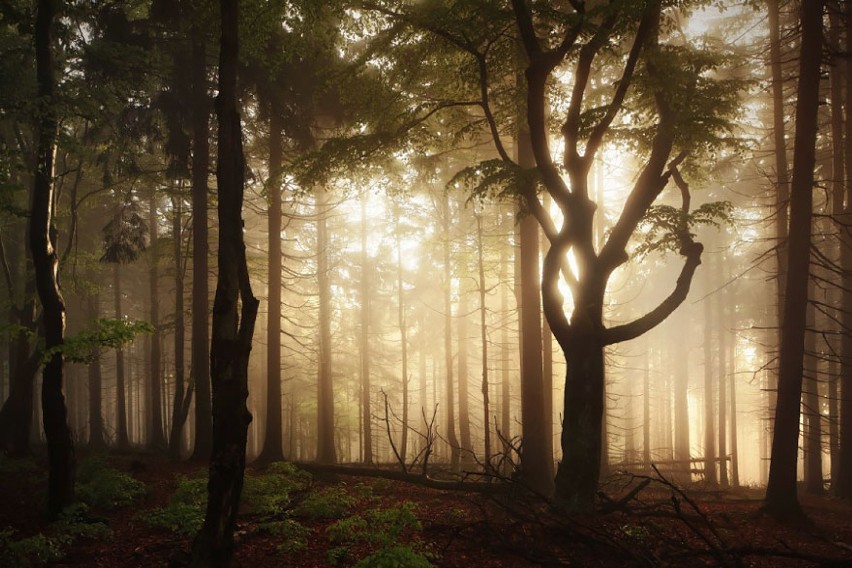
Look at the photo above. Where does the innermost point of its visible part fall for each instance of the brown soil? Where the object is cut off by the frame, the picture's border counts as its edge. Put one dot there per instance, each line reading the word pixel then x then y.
pixel 461 529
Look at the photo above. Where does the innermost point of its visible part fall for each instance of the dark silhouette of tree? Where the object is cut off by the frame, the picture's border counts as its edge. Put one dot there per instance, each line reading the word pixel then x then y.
pixel 43 236
pixel 781 491
pixel 234 314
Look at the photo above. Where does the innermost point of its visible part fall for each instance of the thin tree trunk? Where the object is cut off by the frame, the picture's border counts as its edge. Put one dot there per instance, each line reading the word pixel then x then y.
pixel 403 337
pixel 735 461
pixel 200 341
pixel 505 386
pixel 60 446
pixel 182 395
pixel 483 330
pixel 234 314
pixel 709 383
pixel 680 384
pixel 156 438
pixel 122 440
pixel 781 495
pixel 326 452
pixel 843 485
pixel 448 338
pixel 811 406
pixel 274 437
pixel 366 412
pixel 464 393
pixel 96 420
pixel 646 413
pixel 537 458
pixel 722 380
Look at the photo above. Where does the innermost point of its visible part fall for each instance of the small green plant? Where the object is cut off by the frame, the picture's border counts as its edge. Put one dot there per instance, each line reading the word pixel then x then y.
pixel 294 535
pixel 636 532
pixel 382 528
pixel 43 548
pixel 331 503
pixel 399 556
pixel 269 493
pixel 184 513
pixel 100 485
pixel 337 555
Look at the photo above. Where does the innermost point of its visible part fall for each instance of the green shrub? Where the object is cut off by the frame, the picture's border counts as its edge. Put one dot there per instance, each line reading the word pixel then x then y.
pixel 331 503
pixel 19 466
pixel 47 547
pixel 299 478
pixel 375 526
pixel 184 513
pixel 100 485
pixel 294 535
pixel 337 555
pixel 269 494
pixel 395 557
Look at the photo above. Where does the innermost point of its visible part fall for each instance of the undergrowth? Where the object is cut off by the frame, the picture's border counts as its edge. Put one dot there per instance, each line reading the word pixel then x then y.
pixel 382 529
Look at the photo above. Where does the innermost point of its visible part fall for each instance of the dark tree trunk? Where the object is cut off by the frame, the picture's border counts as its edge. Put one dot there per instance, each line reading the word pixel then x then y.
pixel 274 438
pixel 483 330
pixel 366 412
pixel 183 395
pixel 537 457
pixel 96 420
pixel 16 416
pixel 811 405
pixel 156 438
pixel 234 314
pixel 722 380
pixel 199 346
pixel 709 407
pixel 403 336
pixel 60 446
pixel 843 487
pixel 448 337
pixel 464 391
pixel 122 441
pixel 782 177
pixel 781 496
pixel 505 386
pixel 326 452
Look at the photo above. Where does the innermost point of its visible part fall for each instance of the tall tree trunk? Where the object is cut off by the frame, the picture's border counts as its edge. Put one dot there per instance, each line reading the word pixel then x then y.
pixel 183 395
pixel 156 438
pixel 781 497
pixel 234 314
pixel 782 178
pixel 326 452
pixel 483 330
pixel 60 446
pixel 505 386
pixel 722 380
pixel 448 337
pixel 464 392
pixel 200 342
pixel 843 485
pixel 537 458
pixel 811 405
pixel 274 438
pixel 709 383
pixel 366 295
pixel 96 420
pixel 735 458
pixel 680 384
pixel 403 336
pixel 122 440
pixel 16 416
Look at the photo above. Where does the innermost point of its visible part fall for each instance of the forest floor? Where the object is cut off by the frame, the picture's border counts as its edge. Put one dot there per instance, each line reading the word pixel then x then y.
pixel 292 518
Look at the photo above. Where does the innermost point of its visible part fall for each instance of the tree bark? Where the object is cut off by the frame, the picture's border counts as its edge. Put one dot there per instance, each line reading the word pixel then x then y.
pixel 60 446
pixel 366 297
pixel 122 440
pixel 843 486
pixel 326 452
pixel 96 420
pixel 781 496
pixel 156 438
pixel 403 336
pixel 722 380
pixel 448 337
pixel 199 343
pixel 234 314
pixel 274 438
pixel 709 407
pixel 182 396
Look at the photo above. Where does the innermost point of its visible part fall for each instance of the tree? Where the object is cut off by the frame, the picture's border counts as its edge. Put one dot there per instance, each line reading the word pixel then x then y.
pixel 234 314
pixel 43 236
pixel 781 492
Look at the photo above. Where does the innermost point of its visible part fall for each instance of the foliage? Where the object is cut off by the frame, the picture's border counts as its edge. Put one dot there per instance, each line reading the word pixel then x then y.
pixel 184 513
pixel 49 546
pixel 270 493
pixel 494 179
pixel 382 528
pixel 103 334
pixel 293 534
pixel 662 224
pixel 102 486
pixel 18 466
pixel 331 503
pixel 125 236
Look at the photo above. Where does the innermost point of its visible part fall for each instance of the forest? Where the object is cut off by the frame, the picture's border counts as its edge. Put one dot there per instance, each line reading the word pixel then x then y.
pixel 395 283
